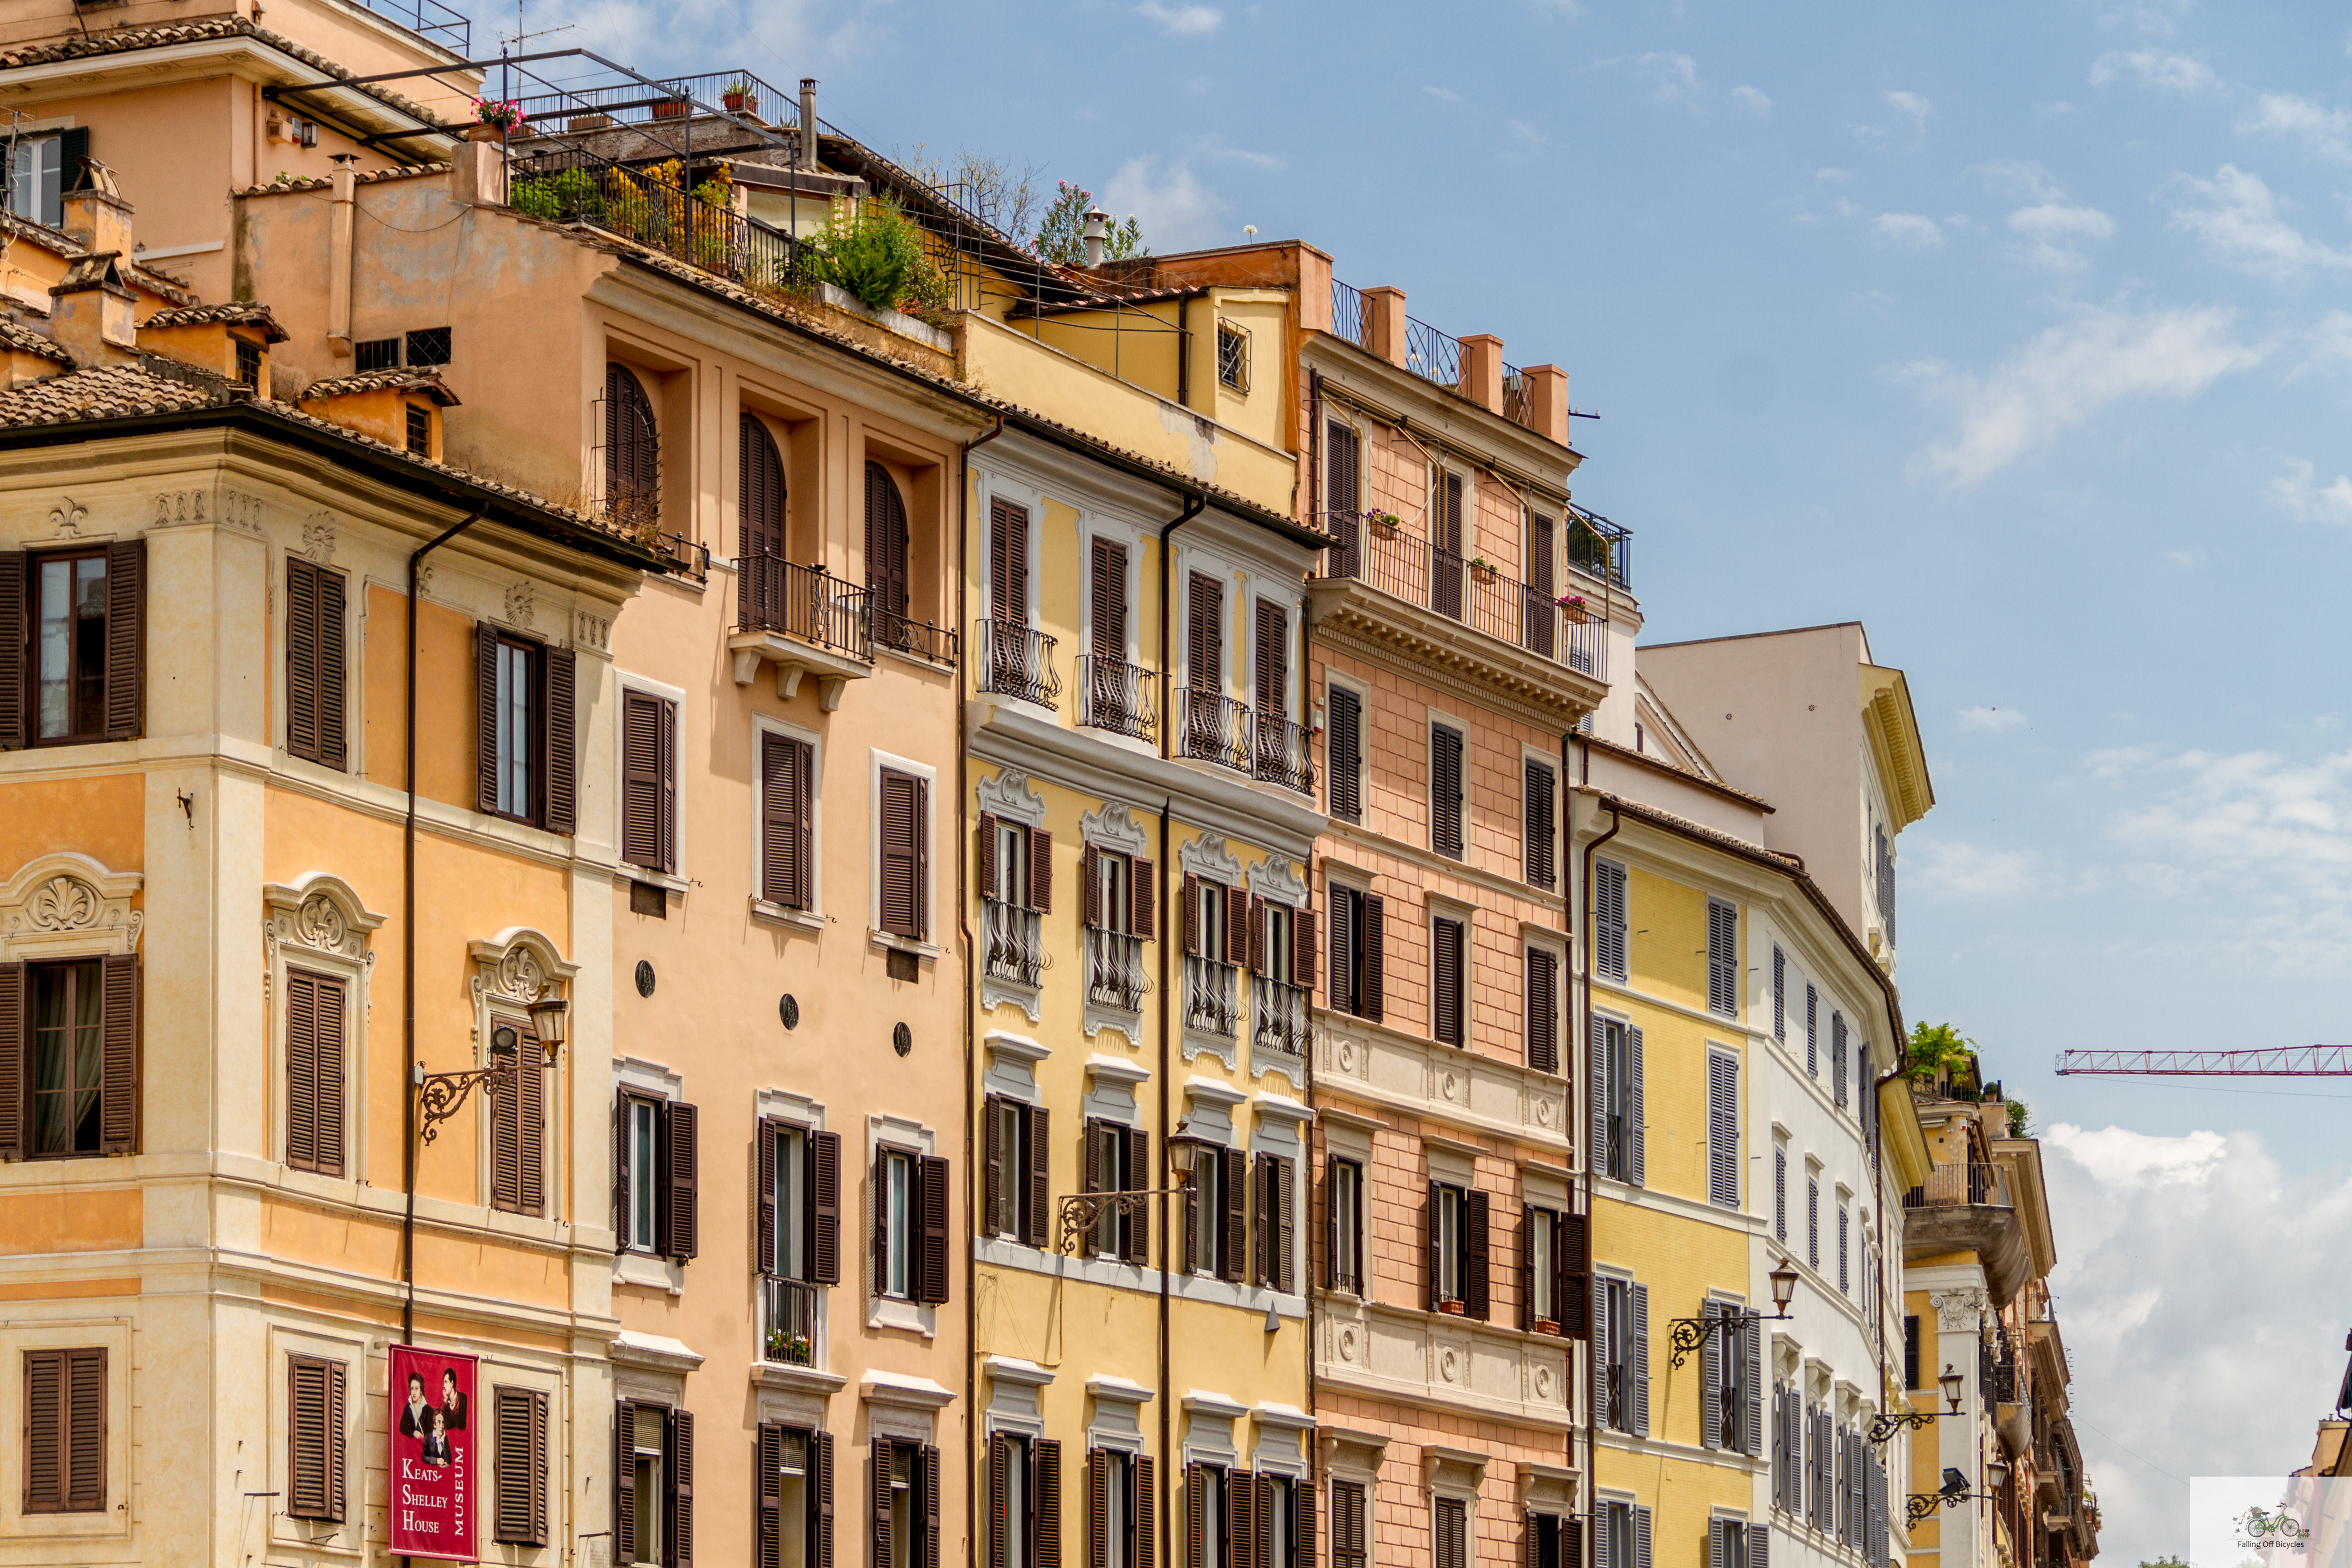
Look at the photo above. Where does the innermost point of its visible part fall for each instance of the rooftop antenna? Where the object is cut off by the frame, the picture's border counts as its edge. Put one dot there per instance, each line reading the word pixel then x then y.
pixel 516 40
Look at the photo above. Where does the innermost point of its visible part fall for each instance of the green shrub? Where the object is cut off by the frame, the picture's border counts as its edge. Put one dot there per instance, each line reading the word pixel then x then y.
pixel 877 256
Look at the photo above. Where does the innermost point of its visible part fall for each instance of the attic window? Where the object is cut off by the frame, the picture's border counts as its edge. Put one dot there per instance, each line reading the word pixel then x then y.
pixel 379 353
pixel 420 430
pixel 429 345
pixel 1233 357
pixel 248 363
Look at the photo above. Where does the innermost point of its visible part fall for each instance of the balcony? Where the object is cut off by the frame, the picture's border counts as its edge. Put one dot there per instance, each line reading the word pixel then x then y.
pixel 1017 661
pixel 898 633
pixel 1013 947
pixel 1115 695
pixel 1483 1371
pixel 1284 754
pixel 1215 728
pixel 788 1322
pixel 1114 977
pixel 1968 1208
pixel 1212 998
pixel 1281 1012
pixel 804 621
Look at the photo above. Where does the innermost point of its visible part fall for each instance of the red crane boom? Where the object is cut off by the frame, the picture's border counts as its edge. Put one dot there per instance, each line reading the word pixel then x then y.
pixel 2285 1061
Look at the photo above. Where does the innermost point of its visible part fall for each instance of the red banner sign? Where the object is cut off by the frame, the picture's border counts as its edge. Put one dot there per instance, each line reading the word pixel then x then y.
pixel 434 1441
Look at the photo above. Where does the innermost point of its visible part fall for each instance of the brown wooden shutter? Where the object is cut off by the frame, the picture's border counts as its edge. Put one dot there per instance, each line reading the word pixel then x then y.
pixel 1272 692
pixel 1543 1009
pixel 1369 1003
pixel 1037 1213
pixel 1195 1504
pixel 12 1061
pixel 786 846
pixel 16 651
pixel 1041 870
pixel 1047 1490
pixel 126 637
pixel 903 861
pixel 677 1478
pixel 879 1240
pixel 334 743
pixel 930 1471
pixel 1139 1169
pixel 641 780
pixel 506 1146
pixel 519 1511
pixel 45 1431
pixel 1090 904
pixel 1256 935
pixel 1432 1225
pixel 562 741
pixel 119 1073
pixel 1445 791
pixel 767 1496
pixel 824 1209
pixel 329 1077
pixel 760 477
pixel 985 857
pixel 1285 1227
pixel 620 1170
pixel 1529 1219
pixel 1204 635
pixel 1236 926
pixel 878 1500
pixel 314 1425
pixel 1476 1253
pixel 301 1070
pixel 1242 1531
pixel 1008 562
pixel 1143 885
pixel 1108 611
pixel 625 1482
pixel 1572 1292
pixel 1445 982
pixel 303 660
pixel 821 1474
pixel 682 1148
pixel 532 1080
pixel 886 542
pixel 992 1180
pixel 763 1242
pixel 1537 788
pixel 1343 753
pixel 1347 984
pixel 1232 1257
pixel 1146 1509
pixel 1098 1509
pixel 1000 1501
pixel 1302 949
pixel 1191 903
pixel 931 1259
pixel 1261 1200
pixel 486 715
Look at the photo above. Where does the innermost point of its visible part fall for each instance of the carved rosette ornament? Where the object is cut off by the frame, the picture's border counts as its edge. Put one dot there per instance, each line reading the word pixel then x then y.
pixel 68 906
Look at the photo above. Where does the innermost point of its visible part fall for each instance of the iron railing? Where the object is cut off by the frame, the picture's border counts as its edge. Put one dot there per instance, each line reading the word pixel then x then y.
pixel 1600 548
pixel 1283 754
pixel 1433 356
pixel 557 182
pixel 1348 314
pixel 1515 394
pixel 1406 565
pixel 2000 1367
pixel 788 1322
pixel 772 594
pixel 1957 1186
pixel 432 20
pixel 1013 946
pixel 1212 997
pixel 901 633
pixel 1116 696
pixel 1115 976
pixel 1281 1018
pixel 1017 661
pixel 1215 727
pixel 691 557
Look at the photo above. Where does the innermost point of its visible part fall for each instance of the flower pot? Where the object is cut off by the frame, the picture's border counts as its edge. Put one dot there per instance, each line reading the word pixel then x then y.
pixel 670 109
pixel 484 132
pixel 1452 1309
pixel 739 103
pixel 1576 615
pixel 588 123
pixel 1484 574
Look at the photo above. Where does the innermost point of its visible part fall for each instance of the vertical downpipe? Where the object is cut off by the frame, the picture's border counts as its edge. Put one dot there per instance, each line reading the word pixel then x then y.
pixel 964 926
pixel 342 206
pixel 1591 1337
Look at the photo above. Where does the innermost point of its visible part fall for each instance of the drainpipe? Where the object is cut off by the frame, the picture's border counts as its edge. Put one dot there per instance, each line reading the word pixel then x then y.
pixel 1306 678
pixel 1591 1346
pixel 1168 1168
pixel 342 204
pixel 1193 508
pixel 964 926
pixel 408 936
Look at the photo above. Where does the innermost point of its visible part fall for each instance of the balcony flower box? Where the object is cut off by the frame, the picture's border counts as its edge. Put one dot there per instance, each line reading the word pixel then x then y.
pixel 1574 609
pixel 1452 1308
pixel 1384 523
pixel 670 109
pixel 588 123
pixel 739 101
pixel 1484 570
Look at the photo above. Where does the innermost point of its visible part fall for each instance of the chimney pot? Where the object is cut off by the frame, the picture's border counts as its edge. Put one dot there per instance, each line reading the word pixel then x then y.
pixel 806 138
pixel 1097 236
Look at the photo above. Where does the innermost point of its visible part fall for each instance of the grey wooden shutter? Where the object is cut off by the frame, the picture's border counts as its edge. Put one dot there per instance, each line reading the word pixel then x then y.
pixel 1722 1130
pixel 1812 1031
pixel 1640 1537
pixel 126 637
pixel 681 1126
pixel 1751 1382
pixel 1636 1135
pixel 824 1209
pixel 1343 753
pixel 1370 1000
pixel 1597 1047
pixel 1780 1194
pixel 1036 1215
pixel 1714 1544
pixel 1837 1058
pixel 677 1478
pixel 1543 1009
pixel 119 1057
pixel 1722 958
pixel 1609 918
pixel 1638 1334
pixel 1139 1170
pixel 1710 1380
pixel 561 742
pixel 1445 982
pixel 1445 791
pixel 1779 993
pixel 1477 1298
pixel 1600 1513
pixel 1537 796
pixel 1759 1546
pixel 932 1256
pixel 16 651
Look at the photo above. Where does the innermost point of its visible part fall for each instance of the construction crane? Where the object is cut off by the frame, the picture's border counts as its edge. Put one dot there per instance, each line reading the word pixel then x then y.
pixel 2285 1061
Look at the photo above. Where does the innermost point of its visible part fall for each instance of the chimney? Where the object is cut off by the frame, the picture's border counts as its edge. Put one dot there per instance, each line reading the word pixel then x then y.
pixel 1482 370
pixel 1384 323
pixel 96 216
pixel 341 214
pixel 90 311
pixel 1097 236
pixel 805 147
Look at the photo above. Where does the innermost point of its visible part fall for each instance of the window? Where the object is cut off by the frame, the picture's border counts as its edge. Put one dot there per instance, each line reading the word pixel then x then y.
pixel 648 781
pixel 1609 918
pixel 72 621
pixel 428 345
pixel 1122 1505
pixel 1279 1525
pixel 1845 1283
pixel 1276 1189
pixel 1445 791
pixel 1812 1216
pixel 315 1437
pixel 631 449
pixel 1107 600
pixel 1837 1058
pixel 1542 617
pixel 1730 1382
pixel 1537 794
pixel 519 1511
pixel 1456 1222
pixel 315 664
pixel 1446 544
pixel 1343 1201
pixel 1621 1328
pixel 1216 944
pixel 68 1059
pixel 1008 562
pixel 526 731
pixel 1448 1024
pixel 1813 1032
pixel 1450 1532
pixel 787 821
pixel 1543 1009
pixel 640 1175
pixel 1911 1351
pixel 1351 1542
pixel 1343 753
pixel 1722 959
pixel 419 428
pixel 1119 1160
pixel 800 1202
pixel 1356 921
pixel 794 1493
pixel 376 353
pixel 1216 1220
pixel 37 184
pixel 1779 993
pixel 1209 1502
pixel 1270 689
pixel 886 553
pixel 1024 1511
pixel 1017 1194
pixel 1723 1129
pixel 1552 1542
pixel 1233 357
pixel 315 1014
pixel 1884 863
pixel 1620 1141
pixel 65 1431
pixel 906 851
pixel 1780 1194
pixel 911 1225
pixel 653 1483
pixel 906 1504
pixel 1016 884
pixel 1552 1271
pixel 1621 1535
pixel 1732 1543
pixel 248 371
pixel 759 493
pixel 518 1122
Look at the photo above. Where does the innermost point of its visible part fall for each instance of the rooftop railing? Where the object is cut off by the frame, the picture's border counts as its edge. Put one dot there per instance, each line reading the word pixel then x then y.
pixel 1433 356
pixel 1600 548
pixel 431 19
pixel 1384 554
pixel 1955 1185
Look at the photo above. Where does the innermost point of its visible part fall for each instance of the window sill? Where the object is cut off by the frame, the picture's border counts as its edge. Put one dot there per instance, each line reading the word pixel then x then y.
pixel 897 943
pixel 667 882
pixel 890 1312
pixel 785 915
pixel 645 1268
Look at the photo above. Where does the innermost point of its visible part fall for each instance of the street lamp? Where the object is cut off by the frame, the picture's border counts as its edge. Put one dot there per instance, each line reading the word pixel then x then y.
pixel 1689 1334
pixel 441 1095
pixel 1955 1491
pixel 1884 1427
pixel 1082 1212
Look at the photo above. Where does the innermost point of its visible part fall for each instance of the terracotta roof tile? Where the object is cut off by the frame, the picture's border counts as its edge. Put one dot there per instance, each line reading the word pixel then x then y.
pixel 237 313
pixel 126 40
pixel 395 378
pixel 323 183
pixel 23 340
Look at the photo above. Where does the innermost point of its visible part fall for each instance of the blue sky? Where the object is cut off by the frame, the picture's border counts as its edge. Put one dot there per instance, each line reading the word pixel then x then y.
pixel 2019 332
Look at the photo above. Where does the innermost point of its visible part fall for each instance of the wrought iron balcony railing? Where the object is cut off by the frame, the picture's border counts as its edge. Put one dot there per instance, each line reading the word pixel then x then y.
pixel 1281 1018
pixel 774 595
pixel 788 1322
pixel 1215 728
pixel 916 639
pixel 1115 695
pixel 1115 975
pixel 1285 753
pixel 1382 553
pixel 1017 661
pixel 1212 997
pixel 1958 1184
pixel 1013 947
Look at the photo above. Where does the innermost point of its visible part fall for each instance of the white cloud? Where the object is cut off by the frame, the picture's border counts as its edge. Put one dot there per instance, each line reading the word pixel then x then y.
pixel 2055 234
pixel 1526 133
pixel 2164 1353
pixel 2160 68
pixel 2315 503
pixel 2328 345
pixel 1834 176
pixel 1184 21
pixel 2239 218
pixel 2020 177
pixel 1949 871
pixel 1174 208
pixel 2326 132
pixel 1912 107
pixel 1442 94
pixel 1993 720
pixel 1908 228
pixel 1673 77
pixel 2062 377
pixel 1216 147
pixel 1749 98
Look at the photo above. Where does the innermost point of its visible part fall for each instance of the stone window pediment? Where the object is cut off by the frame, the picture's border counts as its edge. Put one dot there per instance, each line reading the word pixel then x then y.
pixel 68 906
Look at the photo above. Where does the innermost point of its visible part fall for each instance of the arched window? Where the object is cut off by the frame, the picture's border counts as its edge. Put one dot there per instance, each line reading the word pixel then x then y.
pixel 632 450
pixel 762 481
pixel 886 549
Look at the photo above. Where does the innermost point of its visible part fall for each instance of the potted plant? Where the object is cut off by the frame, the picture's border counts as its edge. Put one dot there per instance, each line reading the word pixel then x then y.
pixel 670 108
pixel 1482 568
pixel 789 1348
pixel 588 123
pixel 1572 605
pixel 1384 523
pixel 495 119
pixel 739 99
